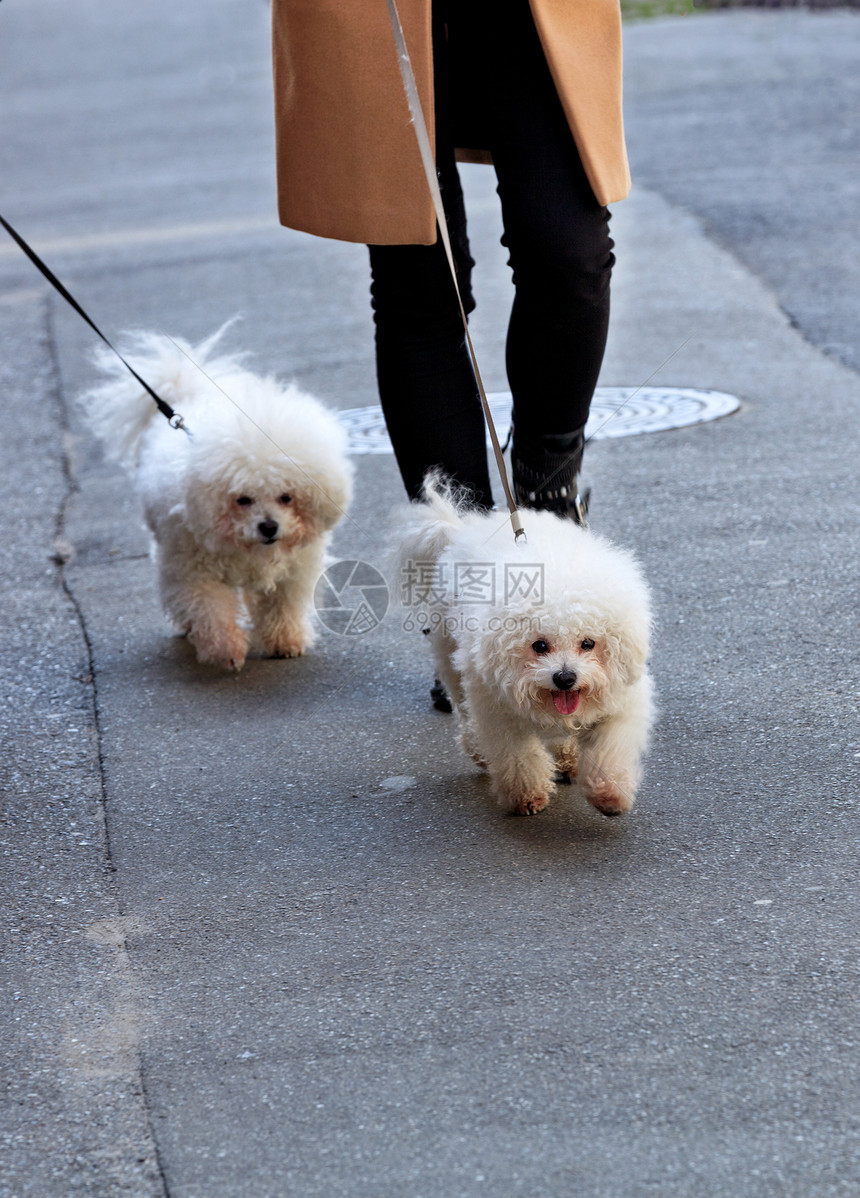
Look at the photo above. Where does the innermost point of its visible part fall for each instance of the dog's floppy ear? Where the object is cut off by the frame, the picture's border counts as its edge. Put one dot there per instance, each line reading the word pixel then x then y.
pixel 326 496
pixel 630 644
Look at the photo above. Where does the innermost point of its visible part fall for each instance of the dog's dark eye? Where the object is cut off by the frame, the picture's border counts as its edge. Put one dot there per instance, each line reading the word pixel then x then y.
pixel 587 644
pixel 285 499
pixel 244 500
pixel 540 647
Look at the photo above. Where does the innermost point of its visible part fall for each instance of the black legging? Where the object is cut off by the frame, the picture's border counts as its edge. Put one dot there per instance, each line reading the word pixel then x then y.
pixel 490 75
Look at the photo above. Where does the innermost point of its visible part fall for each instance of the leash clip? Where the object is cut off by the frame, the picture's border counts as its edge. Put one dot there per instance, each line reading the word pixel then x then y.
pixel 580 506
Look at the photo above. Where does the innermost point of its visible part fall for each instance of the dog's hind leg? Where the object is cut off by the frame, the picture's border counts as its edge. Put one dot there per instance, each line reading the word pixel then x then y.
pixel 449 676
pixel 468 738
pixel 567 759
pixel 447 673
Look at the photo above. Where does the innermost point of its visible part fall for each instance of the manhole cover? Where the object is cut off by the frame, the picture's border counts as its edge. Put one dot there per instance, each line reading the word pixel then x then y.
pixel 615 412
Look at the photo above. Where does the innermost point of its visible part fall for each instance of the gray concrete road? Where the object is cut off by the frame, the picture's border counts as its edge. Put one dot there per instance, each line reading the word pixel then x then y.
pixel 267 935
pixel 750 122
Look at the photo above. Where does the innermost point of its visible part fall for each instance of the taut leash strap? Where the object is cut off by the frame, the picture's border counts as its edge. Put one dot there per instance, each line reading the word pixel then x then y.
pixel 163 407
pixel 414 101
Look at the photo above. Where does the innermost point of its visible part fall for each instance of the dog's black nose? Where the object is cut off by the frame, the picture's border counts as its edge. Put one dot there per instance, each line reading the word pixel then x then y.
pixel 564 680
pixel 268 529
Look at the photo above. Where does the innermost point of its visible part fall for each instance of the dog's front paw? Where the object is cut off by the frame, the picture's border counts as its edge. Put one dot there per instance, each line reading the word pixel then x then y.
pixel 524 783
pixel 288 638
pixel 285 648
pixel 527 804
pixel 608 799
pixel 232 663
pixel 227 650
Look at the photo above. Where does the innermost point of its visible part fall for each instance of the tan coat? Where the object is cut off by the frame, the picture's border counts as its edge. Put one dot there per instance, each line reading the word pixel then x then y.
pixel 347 156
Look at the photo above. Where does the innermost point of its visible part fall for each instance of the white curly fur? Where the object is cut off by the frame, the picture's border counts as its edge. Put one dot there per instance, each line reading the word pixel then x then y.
pixel 241 511
pixel 501 657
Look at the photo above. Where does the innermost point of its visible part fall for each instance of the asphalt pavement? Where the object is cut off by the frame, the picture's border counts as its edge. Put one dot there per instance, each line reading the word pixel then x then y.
pixel 267 935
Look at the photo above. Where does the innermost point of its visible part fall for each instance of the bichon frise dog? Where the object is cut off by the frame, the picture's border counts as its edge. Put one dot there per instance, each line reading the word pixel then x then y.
pixel 541 646
pixel 242 509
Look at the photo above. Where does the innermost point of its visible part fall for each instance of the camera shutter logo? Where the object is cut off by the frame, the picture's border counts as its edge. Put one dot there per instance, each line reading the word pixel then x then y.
pixel 351 597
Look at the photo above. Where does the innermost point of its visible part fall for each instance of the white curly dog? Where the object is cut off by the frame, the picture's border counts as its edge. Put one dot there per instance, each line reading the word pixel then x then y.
pixel 541 646
pixel 241 510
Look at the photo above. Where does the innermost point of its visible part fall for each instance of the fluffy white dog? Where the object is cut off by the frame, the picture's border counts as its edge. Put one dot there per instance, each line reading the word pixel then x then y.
pixel 542 647
pixel 241 510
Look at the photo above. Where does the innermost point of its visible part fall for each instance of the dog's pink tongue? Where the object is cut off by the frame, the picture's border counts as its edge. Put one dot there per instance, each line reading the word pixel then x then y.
pixel 565 701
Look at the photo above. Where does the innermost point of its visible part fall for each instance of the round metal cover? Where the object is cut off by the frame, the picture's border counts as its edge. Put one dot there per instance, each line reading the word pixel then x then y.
pixel 615 412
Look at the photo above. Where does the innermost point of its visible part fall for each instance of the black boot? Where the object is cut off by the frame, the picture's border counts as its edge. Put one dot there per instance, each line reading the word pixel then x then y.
pixel 546 474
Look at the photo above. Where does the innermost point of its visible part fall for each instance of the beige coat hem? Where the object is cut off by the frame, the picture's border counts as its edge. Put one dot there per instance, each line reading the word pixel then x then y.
pixel 348 165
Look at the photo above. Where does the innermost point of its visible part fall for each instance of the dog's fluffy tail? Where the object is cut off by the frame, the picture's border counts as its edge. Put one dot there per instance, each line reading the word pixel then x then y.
pixel 119 410
pixel 430 525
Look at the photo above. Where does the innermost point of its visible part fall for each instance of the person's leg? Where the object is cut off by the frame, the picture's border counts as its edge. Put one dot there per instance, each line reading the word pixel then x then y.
pixel 426 384
pixel 560 251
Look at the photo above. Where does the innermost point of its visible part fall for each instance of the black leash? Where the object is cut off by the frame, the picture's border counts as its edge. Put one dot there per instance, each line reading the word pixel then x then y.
pixel 166 410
